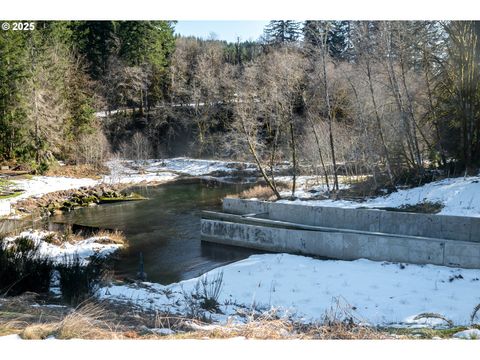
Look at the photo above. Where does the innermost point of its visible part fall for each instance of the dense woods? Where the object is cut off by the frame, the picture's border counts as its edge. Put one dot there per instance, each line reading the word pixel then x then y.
pixel 392 99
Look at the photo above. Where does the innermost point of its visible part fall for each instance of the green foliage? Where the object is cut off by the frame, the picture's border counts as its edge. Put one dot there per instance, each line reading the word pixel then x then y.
pixel 13 72
pixel 146 42
pixel 279 32
pixel 46 97
pixel 337 35
pixel 94 40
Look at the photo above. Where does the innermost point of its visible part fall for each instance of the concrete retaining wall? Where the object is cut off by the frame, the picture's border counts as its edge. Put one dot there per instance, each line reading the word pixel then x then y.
pixel 390 222
pixel 344 246
pixel 381 236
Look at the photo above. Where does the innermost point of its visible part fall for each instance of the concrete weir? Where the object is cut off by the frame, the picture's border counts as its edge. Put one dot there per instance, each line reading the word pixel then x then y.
pixel 345 234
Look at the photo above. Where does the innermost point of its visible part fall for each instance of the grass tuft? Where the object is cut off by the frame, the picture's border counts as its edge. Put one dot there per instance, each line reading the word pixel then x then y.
pixel 259 192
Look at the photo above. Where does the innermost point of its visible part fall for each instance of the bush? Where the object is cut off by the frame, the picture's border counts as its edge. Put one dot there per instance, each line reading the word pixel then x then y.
pixel 21 269
pixel 205 295
pixel 79 281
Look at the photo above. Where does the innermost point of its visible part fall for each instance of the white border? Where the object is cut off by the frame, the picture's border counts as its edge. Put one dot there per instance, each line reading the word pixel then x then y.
pixel 239 349
pixel 238 9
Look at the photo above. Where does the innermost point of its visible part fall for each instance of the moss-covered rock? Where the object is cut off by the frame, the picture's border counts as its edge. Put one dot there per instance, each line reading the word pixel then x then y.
pixel 119 197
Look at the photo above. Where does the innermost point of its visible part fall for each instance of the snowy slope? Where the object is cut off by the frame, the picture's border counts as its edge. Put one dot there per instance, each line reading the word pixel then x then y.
pixel 460 196
pixel 307 288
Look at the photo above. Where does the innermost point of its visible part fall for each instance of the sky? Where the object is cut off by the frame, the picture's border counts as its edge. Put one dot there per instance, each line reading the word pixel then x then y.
pixel 224 30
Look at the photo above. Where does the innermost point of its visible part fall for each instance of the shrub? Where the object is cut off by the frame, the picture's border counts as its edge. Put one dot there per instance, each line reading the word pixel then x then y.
pixel 21 269
pixel 205 295
pixel 79 281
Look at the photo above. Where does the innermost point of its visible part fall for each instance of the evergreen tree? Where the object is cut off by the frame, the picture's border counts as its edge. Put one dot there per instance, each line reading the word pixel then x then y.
pixel 149 45
pixel 13 72
pixel 279 32
pixel 337 36
pixel 94 40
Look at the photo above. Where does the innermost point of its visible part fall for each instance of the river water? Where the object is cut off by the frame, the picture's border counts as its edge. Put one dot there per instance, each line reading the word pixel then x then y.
pixel 165 229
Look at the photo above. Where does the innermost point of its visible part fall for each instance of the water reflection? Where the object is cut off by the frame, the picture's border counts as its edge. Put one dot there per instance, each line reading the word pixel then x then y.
pixel 166 229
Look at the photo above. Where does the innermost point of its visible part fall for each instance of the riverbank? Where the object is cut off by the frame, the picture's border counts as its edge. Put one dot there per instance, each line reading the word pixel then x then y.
pixel 308 290
pixel 306 297
pixel 60 247
pixel 435 304
pixel 28 317
pixel 451 196
pixel 31 192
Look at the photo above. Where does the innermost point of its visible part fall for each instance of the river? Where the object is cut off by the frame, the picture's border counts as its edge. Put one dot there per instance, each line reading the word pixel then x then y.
pixel 165 229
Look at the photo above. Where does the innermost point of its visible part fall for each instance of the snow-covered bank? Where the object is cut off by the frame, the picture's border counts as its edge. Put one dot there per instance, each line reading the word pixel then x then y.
pixel 37 186
pixel 307 186
pixel 42 240
pixel 154 171
pixel 160 170
pixel 459 196
pixel 308 289
pixel 129 172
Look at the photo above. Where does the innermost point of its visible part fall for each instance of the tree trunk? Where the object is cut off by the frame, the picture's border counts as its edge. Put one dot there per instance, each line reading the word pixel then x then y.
pixel 294 157
pixel 258 162
pixel 379 124
pixel 329 111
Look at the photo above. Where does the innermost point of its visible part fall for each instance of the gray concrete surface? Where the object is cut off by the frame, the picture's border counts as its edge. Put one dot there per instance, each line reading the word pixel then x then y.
pixel 346 233
pixel 390 222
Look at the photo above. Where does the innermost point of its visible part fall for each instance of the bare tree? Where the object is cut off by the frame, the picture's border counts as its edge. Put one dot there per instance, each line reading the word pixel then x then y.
pixel 365 42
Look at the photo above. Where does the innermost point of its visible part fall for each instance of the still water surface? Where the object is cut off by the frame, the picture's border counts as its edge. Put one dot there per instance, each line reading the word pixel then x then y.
pixel 166 229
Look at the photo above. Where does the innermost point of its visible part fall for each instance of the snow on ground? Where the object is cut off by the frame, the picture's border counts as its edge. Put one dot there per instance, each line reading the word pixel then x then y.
pixel 124 172
pixel 161 170
pixel 59 253
pixel 10 337
pixel 307 186
pixel 128 172
pixel 41 185
pixel 308 289
pixel 460 196
pixel 470 334
pixel 198 167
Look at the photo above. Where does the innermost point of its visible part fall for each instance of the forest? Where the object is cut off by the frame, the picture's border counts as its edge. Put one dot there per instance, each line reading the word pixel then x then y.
pixel 392 99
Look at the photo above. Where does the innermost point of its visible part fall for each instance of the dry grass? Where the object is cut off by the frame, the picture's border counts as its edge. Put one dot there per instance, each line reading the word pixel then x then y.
pixel 86 322
pixel 111 237
pixel 271 328
pixel 93 320
pixel 77 171
pixel 259 192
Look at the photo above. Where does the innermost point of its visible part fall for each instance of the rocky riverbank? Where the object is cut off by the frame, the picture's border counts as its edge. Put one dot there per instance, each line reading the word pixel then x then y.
pixel 67 200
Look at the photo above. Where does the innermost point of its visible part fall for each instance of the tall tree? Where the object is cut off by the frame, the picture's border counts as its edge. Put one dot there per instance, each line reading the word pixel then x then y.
pixel 149 45
pixel 336 35
pixel 94 40
pixel 279 32
pixel 13 72
pixel 459 91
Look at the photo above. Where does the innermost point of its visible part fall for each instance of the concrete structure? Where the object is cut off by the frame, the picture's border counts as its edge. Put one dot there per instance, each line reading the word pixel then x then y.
pixel 346 233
